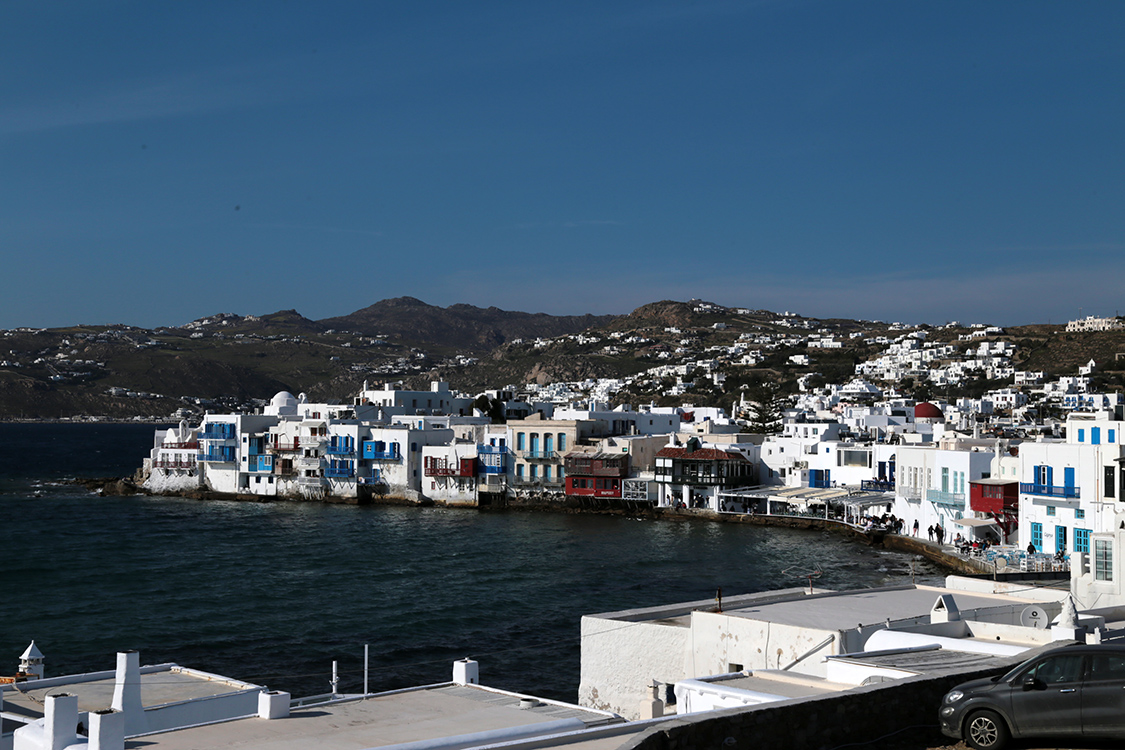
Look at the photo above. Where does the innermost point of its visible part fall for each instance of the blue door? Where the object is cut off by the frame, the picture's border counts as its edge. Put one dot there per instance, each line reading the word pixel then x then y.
pixel 1037 536
pixel 1096 435
pixel 1068 482
pixel 1060 538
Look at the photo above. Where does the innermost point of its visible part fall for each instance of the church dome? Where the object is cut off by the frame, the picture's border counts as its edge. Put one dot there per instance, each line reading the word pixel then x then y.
pixel 926 410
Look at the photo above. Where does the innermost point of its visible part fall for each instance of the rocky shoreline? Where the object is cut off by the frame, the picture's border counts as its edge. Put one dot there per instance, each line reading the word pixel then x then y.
pixel 125 486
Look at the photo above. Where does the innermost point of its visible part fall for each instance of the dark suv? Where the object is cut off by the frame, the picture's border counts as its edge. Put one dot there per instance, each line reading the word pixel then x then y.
pixel 1069 692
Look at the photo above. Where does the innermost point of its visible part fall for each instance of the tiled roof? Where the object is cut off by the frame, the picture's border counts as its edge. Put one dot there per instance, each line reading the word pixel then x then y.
pixel 702 454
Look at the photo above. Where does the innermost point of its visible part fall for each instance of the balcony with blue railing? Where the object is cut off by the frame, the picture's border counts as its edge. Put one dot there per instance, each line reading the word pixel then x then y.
pixel 374 477
pixel 946 499
pixel 1048 490
pixel 340 449
pixel 498 450
pixel 217 455
pixel 876 485
pixel 217 431
pixel 339 472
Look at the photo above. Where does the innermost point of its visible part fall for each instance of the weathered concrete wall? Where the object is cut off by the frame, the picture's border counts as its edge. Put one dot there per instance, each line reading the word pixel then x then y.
pixel 719 640
pixel 621 659
pixel 860 716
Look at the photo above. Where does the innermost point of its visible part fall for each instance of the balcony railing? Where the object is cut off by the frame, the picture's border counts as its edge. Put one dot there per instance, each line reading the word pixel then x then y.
pixel 338 472
pixel 193 445
pixel 1047 490
pixel 166 464
pixel 540 455
pixel 946 499
pixel 913 494
pixel 340 450
pixel 876 485
pixel 538 482
pixel 217 434
pixel 285 447
pixel 495 449
pixel 216 456
pixel 383 455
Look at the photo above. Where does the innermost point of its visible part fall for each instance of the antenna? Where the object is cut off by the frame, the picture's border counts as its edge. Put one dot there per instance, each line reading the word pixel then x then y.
pixel 797 571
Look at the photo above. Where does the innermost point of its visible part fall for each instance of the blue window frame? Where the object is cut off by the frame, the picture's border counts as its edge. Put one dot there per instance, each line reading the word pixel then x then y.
pixel 1082 540
pixel 1037 536
pixel 1060 538
pixel 1050 510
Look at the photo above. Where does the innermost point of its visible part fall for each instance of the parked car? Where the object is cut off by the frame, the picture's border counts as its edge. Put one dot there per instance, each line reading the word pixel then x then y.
pixel 1069 692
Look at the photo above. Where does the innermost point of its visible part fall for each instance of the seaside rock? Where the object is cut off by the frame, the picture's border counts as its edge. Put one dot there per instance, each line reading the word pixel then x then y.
pixel 119 487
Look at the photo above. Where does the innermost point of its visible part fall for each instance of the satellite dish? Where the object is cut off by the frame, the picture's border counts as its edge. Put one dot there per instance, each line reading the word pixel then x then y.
pixel 1033 617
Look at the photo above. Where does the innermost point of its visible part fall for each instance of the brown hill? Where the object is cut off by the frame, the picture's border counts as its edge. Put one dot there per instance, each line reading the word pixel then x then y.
pixel 462 327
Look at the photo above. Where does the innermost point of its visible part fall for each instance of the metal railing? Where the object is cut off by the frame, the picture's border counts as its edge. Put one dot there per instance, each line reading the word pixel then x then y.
pixel 1048 490
pixel 947 499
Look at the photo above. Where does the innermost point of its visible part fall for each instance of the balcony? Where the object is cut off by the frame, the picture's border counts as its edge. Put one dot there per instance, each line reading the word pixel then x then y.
pixel 308 462
pixel 540 455
pixel 1047 490
pixel 280 447
pixel 946 499
pixel 912 494
pixel 193 445
pixel 221 455
pixel 483 450
pixel 876 485
pixel 260 464
pixel 217 432
pixel 174 464
pixel 339 472
pixel 340 450
pixel 527 482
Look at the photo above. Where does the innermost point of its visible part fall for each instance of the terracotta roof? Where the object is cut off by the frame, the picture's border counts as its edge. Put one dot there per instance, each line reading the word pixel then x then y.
pixel 702 454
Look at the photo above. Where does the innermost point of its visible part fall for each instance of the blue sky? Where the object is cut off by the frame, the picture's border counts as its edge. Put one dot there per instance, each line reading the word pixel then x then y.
pixel 914 161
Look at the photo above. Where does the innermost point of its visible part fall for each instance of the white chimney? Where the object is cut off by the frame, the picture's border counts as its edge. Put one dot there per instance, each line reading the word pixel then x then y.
pixel 466 672
pixel 60 720
pixel 31 662
pixel 127 692
pixel 107 730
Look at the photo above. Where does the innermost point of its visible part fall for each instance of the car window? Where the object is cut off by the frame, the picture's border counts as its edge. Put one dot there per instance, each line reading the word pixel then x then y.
pixel 1056 669
pixel 1107 667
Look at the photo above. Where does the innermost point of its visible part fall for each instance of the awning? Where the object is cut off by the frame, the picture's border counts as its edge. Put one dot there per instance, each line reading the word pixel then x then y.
pixel 974 523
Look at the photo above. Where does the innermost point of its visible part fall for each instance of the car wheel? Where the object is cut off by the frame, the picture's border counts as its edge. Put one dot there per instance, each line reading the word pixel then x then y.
pixel 985 730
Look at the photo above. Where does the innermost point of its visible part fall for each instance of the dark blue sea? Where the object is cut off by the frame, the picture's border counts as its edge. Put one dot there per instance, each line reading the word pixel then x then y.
pixel 273 592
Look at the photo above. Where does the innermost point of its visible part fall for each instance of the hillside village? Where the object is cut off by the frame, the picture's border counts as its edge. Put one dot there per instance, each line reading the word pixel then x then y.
pixel 1030 468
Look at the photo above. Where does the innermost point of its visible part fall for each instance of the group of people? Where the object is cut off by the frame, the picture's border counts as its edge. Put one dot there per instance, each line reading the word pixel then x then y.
pixel 965 545
pixel 935 531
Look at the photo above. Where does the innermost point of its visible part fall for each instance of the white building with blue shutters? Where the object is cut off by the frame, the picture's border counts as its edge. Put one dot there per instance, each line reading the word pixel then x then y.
pixel 932 482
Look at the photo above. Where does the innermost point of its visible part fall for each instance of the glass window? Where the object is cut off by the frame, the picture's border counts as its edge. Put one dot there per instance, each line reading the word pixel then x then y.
pixel 1057 669
pixel 1050 510
pixel 1107 667
pixel 1103 560
pixel 1079 513
pixel 1109 481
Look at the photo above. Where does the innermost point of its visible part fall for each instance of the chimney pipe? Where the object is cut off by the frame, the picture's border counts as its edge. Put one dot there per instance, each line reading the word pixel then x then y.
pixel 107 730
pixel 60 719
pixel 127 692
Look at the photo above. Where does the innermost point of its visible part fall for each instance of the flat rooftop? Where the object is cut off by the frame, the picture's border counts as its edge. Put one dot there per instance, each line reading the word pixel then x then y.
pixel 823 610
pixel 788 684
pixel 389 719
pixel 932 661
pixel 164 684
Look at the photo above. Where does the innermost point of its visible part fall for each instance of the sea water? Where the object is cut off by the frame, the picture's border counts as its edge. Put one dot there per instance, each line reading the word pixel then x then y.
pixel 274 592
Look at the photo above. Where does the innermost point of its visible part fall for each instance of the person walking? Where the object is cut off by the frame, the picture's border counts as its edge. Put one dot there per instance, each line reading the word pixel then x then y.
pixel 915 527
pixel 930 531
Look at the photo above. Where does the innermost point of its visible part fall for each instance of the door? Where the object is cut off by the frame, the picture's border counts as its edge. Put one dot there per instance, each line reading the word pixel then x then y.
pixel 1103 696
pixel 1053 706
pixel 1060 538
pixel 1037 536
pixel 1068 481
